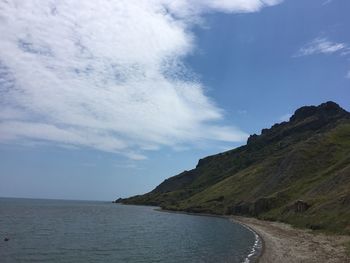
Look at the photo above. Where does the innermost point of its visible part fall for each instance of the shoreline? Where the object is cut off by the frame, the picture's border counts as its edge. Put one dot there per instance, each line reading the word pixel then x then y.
pixel 259 244
pixel 283 243
pixel 258 248
pixel 280 242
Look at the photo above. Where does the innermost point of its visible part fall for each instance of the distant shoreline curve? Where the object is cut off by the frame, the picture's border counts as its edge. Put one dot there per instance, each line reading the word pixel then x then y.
pixel 281 242
pixel 260 250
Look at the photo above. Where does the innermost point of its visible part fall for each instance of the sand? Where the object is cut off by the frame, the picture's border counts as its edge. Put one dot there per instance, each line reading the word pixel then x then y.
pixel 283 243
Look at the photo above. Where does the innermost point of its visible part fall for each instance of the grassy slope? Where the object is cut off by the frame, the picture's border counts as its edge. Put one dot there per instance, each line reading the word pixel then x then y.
pixel 265 178
pixel 316 171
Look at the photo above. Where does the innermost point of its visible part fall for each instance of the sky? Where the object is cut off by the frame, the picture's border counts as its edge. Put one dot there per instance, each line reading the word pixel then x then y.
pixel 106 99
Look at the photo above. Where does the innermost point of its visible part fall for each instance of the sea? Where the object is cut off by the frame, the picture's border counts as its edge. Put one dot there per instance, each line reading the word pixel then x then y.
pixel 90 231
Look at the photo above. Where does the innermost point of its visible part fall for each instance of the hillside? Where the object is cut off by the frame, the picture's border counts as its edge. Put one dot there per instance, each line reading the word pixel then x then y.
pixel 296 172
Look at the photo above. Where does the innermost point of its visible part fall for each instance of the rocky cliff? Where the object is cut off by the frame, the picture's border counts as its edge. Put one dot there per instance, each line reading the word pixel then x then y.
pixel 296 171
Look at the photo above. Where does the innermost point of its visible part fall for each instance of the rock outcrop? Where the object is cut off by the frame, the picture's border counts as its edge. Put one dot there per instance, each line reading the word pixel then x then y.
pixel 295 171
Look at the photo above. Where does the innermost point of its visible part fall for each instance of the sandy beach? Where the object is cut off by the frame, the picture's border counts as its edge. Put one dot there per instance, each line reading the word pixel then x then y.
pixel 283 243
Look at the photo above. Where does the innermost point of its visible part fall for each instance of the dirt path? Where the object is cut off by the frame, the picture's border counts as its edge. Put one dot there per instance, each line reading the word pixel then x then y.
pixel 283 243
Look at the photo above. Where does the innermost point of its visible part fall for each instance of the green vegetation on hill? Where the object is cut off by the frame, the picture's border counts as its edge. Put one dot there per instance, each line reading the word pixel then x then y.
pixel 296 172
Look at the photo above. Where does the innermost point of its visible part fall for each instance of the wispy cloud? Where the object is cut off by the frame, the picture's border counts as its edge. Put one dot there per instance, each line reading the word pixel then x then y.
pixel 285 117
pixel 324 46
pixel 345 52
pixel 320 46
pixel 242 112
pixel 108 74
pixel 327 2
pixel 348 75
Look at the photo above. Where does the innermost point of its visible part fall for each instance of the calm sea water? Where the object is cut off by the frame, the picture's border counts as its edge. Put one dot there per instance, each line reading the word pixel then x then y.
pixel 82 231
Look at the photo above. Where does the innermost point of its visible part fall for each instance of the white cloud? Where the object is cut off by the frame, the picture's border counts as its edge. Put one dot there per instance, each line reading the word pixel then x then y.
pixel 184 8
pixel 320 46
pixel 107 74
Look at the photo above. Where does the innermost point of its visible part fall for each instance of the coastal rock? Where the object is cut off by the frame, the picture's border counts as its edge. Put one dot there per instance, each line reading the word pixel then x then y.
pixel 327 110
pixel 252 138
pixel 262 205
pixel 256 208
pixel 307 118
pixel 241 208
pixel 119 200
pixel 300 206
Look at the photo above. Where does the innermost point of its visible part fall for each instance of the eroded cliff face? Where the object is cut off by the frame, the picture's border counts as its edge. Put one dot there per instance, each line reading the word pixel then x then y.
pixel 296 171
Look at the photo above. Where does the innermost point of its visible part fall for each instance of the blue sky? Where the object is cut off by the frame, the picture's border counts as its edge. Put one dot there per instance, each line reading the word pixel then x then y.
pixel 105 101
